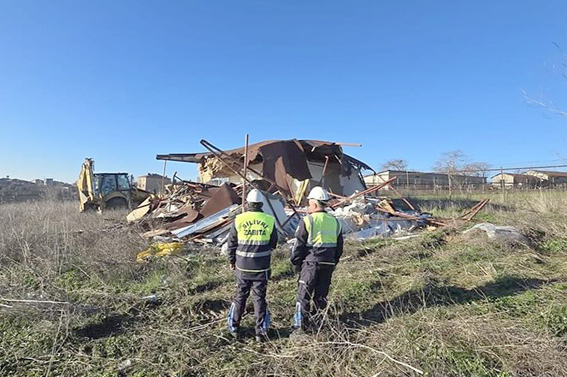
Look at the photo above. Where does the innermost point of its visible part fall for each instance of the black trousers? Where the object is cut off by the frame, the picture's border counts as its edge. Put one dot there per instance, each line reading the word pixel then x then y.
pixel 312 291
pixel 258 284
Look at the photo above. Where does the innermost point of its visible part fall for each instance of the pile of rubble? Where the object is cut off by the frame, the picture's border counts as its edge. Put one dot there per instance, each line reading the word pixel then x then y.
pixel 185 205
pixel 198 213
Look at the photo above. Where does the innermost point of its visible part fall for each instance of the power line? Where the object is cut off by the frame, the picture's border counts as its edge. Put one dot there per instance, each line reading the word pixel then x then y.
pixel 516 168
pixel 534 162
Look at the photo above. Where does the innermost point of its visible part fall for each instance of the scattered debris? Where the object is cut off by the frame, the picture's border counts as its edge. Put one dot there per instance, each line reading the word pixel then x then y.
pixel 470 214
pixel 221 219
pixel 202 213
pixel 504 233
pixel 140 211
pixel 125 364
pixel 160 249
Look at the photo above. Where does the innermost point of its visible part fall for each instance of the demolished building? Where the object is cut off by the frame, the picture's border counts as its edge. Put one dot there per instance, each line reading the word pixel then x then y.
pixel 295 166
pixel 284 170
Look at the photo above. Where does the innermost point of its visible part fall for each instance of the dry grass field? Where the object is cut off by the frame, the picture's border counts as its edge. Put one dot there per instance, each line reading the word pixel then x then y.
pixel 74 302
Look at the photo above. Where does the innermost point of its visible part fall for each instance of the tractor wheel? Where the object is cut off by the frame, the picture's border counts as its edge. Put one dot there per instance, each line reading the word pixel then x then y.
pixel 117 203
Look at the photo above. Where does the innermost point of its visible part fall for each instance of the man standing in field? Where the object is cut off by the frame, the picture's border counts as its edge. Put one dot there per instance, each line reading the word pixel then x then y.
pixel 250 243
pixel 317 250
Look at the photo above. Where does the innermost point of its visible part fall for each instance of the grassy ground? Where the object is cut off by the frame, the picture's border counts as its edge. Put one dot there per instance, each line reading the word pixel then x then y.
pixel 444 303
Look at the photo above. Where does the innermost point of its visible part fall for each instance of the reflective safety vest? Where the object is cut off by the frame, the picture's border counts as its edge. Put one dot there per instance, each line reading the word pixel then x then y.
pixel 254 230
pixel 323 232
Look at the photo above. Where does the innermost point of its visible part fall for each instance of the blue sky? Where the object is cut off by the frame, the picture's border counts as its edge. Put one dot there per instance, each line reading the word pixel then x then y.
pixel 122 81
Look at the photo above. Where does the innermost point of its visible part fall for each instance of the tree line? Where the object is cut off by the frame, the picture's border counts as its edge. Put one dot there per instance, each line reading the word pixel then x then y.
pixel 450 163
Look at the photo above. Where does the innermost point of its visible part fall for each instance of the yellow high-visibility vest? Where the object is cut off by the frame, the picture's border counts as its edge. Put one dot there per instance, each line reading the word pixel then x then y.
pixel 254 228
pixel 323 230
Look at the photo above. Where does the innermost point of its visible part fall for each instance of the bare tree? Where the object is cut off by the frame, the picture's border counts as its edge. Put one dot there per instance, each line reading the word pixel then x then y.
pixel 450 163
pixel 478 169
pixel 546 103
pixel 456 163
pixel 395 164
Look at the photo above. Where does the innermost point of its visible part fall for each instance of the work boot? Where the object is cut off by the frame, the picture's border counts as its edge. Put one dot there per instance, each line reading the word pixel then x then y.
pixel 297 332
pixel 262 338
pixel 236 334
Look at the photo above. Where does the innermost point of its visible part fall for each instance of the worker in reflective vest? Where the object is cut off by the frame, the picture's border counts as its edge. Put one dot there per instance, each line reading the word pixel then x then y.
pixel 250 243
pixel 317 250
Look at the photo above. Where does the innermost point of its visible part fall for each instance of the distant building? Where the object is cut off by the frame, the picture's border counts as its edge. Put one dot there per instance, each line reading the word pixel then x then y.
pixel 549 178
pixel 45 182
pixel 509 180
pixel 423 180
pixel 152 182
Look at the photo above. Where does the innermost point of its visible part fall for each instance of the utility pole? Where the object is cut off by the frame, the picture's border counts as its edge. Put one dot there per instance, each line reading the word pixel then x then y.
pixel 163 177
pixel 502 182
pixel 244 172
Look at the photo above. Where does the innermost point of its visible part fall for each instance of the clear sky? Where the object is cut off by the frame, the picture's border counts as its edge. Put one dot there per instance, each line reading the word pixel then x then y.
pixel 122 81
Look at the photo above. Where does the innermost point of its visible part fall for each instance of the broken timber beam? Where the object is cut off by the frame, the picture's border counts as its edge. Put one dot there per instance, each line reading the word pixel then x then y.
pixel 412 217
pixel 240 165
pixel 365 192
pixel 474 210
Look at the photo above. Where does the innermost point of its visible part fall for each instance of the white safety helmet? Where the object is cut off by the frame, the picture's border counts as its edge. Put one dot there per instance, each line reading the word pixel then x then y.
pixel 255 196
pixel 319 193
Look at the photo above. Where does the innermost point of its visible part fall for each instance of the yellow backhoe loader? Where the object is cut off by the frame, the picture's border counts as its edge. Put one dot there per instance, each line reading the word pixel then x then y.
pixel 100 191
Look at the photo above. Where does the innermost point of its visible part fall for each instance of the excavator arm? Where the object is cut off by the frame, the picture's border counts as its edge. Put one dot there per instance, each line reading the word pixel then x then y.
pixel 85 184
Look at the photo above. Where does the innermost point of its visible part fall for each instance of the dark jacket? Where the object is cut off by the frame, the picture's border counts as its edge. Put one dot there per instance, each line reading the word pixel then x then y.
pixel 303 252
